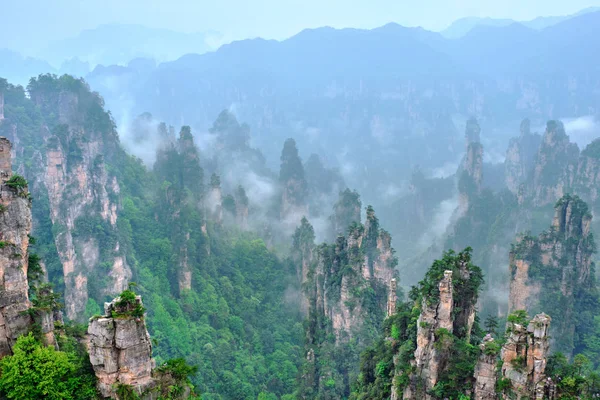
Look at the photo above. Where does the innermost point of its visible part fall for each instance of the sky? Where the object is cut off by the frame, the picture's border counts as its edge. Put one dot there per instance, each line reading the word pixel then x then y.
pixel 31 23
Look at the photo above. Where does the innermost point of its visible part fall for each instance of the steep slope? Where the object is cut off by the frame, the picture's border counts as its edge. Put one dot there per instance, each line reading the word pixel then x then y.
pixel 346 285
pixel 555 272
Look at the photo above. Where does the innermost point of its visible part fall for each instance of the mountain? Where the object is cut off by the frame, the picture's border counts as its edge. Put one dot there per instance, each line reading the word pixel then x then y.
pixel 119 43
pixel 463 26
pixel 18 68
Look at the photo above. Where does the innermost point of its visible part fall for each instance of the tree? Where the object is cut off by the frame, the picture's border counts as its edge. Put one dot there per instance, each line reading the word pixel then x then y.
pixel 36 372
pixel 491 324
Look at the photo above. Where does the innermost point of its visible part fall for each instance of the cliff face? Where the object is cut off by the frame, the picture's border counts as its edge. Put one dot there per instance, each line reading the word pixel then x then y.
pixel 345 211
pixel 15 226
pixel 555 166
pixel 82 195
pixel 524 358
pixel 485 371
pixel 445 314
pixel 520 157
pixel 346 288
pixel 588 173
pixel 554 271
pixel 120 349
pixel 470 173
pixel 431 353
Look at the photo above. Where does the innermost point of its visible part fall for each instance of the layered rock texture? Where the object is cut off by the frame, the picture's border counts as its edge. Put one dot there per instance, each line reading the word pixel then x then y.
pixel 447 313
pixel 120 349
pixel 15 226
pixel 554 271
pixel 346 288
pixel 524 359
pixel 470 173
pixel 485 371
pixel 520 157
pixel 555 166
pixel 69 173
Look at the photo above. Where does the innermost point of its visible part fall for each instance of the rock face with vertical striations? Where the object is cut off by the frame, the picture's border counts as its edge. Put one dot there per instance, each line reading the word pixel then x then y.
pixel 555 272
pixel 520 157
pixel 431 353
pixel 555 165
pixel 524 358
pixel 346 286
pixel 82 193
pixel 120 350
pixel 485 371
pixel 470 172
pixel 15 226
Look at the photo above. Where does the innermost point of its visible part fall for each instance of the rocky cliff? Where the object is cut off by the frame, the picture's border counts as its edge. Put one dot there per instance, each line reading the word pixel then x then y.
pixel 520 157
pixel 524 358
pixel 485 370
pixel 347 290
pixel 555 165
pixel 120 348
pixel 554 271
pixel 15 226
pixel 120 352
pixel 470 172
pixel 82 195
pixel 345 211
pixel 447 314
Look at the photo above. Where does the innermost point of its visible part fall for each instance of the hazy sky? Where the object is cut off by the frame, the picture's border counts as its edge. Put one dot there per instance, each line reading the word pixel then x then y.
pixel 29 21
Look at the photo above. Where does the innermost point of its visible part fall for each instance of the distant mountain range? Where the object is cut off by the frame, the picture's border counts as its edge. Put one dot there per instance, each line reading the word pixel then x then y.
pixel 461 27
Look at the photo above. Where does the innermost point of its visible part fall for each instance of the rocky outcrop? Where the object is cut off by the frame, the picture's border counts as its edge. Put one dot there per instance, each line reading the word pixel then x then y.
pixel 520 157
pixel 588 173
pixel 15 226
pixel 470 172
pixel 241 208
pixel 1 105
pixel 293 186
pixel 555 166
pixel 347 287
pixel 120 349
pixel 83 195
pixel 214 200
pixel 345 211
pixel 485 371
pixel 433 327
pixel 392 297
pixel 554 270
pixel 447 299
pixel 524 358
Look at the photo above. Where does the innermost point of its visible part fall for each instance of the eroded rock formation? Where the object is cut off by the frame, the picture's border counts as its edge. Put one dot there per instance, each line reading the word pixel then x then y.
pixel 485 371
pixel 15 226
pixel 120 349
pixel 346 285
pixel 524 358
pixel 82 193
pixel 520 157
pixel 554 270
pixel 555 166
pixel 470 172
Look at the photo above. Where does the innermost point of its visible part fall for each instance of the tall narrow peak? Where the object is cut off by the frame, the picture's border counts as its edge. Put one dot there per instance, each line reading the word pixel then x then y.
pixel 345 211
pixel 520 157
pixel 555 272
pixel 120 352
pixel 293 184
pixel 587 183
pixel 347 286
pixel 524 356
pixel 470 173
pixel 15 226
pixel 446 299
pixel 83 193
pixel 555 165
pixel 3 85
